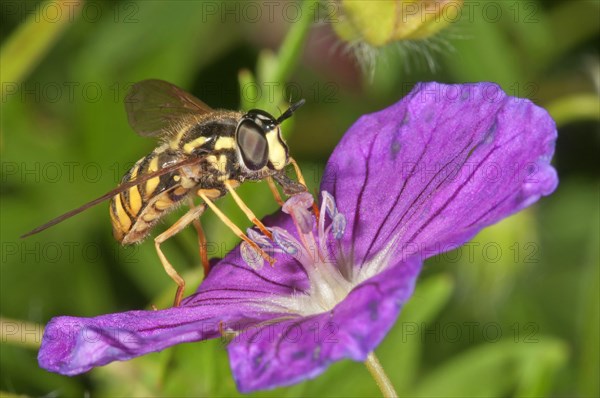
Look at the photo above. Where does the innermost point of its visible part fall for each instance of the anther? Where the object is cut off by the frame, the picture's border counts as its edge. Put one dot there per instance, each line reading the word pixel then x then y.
pixel 260 239
pixel 302 200
pixel 338 226
pixel 285 241
pixel 251 256
pixel 297 206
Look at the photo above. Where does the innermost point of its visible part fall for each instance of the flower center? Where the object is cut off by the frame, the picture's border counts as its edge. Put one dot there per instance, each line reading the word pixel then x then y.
pixel 328 286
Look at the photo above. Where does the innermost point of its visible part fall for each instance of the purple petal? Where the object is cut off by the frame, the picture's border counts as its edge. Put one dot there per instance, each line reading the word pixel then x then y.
pixel 284 277
pixel 293 350
pixel 435 168
pixel 75 345
pixel 228 296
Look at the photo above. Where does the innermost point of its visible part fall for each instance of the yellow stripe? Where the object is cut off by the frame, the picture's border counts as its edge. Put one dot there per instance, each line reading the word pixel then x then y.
pixel 151 185
pixel 174 143
pixel 224 143
pixel 153 166
pixel 212 159
pixel 135 200
pixel 192 145
pixel 222 164
pixel 134 170
pixel 113 217
pixel 121 216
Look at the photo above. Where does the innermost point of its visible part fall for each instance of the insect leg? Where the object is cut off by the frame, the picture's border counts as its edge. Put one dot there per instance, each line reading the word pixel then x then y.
pixel 235 228
pixel 298 172
pixel 174 229
pixel 249 213
pixel 201 240
pixel 274 191
pixel 303 182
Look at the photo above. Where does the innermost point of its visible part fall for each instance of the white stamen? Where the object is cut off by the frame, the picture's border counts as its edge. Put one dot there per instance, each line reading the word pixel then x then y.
pixel 302 200
pixel 251 256
pixel 329 204
pixel 285 241
pixel 339 226
pixel 303 219
pixel 328 286
pixel 260 239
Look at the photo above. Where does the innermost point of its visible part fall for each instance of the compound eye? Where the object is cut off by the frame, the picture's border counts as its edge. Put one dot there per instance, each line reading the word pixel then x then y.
pixel 253 145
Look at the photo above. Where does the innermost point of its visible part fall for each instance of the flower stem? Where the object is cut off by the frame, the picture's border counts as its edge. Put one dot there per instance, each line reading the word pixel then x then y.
pixel 382 380
pixel 277 68
pixel 31 339
pixel 290 49
pixel 23 49
pixel 573 108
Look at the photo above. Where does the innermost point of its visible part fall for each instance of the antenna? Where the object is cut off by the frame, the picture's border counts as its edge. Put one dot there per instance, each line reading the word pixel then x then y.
pixel 287 114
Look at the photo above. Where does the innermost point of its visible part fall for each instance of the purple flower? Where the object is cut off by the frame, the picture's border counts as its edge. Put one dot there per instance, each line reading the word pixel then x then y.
pixel 413 180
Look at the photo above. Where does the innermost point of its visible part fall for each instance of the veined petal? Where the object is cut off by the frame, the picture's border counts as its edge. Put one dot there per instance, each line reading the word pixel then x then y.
pixel 418 178
pixel 72 345
pixel 284 277
pixel 299 348
pixel 432 170
pixel 229 296
pixel 236 298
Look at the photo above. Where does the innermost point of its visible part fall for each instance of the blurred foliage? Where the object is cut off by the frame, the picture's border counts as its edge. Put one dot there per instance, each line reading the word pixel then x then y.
pixel 513 313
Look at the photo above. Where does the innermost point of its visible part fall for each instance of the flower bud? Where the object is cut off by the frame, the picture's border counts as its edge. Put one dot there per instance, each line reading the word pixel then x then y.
pixel 382 22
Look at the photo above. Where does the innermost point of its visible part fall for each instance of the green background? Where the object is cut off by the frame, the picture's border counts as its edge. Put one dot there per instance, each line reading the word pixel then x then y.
pixel 514 313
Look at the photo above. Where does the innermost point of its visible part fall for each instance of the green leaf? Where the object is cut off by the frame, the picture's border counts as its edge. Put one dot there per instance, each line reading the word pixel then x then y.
pixel 489 266
pixel 248 89
pixel 400 353
pixel 25 48
pixel 497 369
pixel 21 373
pixel 574 108
pixel 589 316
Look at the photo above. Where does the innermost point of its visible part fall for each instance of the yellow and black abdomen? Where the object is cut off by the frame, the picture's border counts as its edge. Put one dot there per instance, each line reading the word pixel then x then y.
pixel 136 210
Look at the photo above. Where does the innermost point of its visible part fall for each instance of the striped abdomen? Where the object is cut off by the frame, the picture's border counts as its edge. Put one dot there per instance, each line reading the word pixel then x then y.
pixel 210 140
pixel 135 211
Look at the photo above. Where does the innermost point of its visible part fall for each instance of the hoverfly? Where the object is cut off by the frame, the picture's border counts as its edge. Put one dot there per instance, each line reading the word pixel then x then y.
pixel 205 153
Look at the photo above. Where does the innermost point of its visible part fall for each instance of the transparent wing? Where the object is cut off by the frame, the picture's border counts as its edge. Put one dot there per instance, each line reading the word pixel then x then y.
pixel 153 105
pixel 123 187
